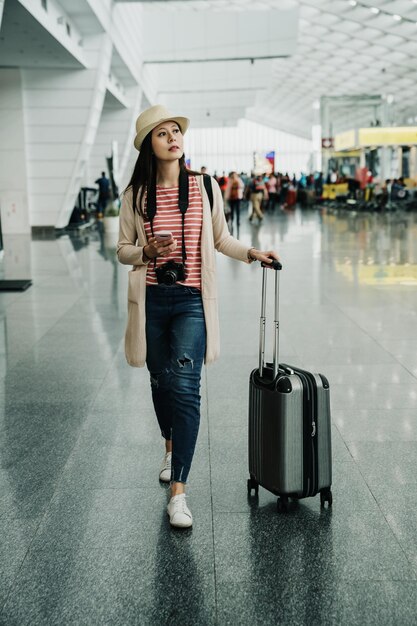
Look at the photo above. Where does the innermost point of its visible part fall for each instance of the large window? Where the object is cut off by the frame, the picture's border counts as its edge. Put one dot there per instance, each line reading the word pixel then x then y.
pixel 226 149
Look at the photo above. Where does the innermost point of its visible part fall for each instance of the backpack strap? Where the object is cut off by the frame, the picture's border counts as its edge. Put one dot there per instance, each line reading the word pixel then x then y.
pixel 209 189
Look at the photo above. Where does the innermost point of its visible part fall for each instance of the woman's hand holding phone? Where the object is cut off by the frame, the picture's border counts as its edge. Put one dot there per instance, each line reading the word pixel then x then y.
pixel 162 244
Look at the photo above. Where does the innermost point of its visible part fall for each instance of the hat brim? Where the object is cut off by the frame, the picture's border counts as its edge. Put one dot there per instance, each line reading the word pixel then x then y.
pixel 183 123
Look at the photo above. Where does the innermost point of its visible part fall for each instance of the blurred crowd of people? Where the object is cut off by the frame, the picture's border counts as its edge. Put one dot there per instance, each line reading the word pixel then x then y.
pixel 261 193
pixel 264 192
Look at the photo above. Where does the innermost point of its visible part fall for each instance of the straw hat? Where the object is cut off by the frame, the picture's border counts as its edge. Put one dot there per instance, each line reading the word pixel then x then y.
pixel 154 116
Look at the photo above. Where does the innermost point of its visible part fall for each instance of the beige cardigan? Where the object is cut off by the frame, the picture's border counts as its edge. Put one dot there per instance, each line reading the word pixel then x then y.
pixel 132 239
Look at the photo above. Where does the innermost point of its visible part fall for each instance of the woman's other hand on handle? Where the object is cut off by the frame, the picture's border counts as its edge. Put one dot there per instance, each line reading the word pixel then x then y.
pixel 263 256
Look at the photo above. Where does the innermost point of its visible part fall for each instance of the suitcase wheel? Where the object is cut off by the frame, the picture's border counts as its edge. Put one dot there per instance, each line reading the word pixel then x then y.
pixel 252 484
pixel 326 496
pixel 282 504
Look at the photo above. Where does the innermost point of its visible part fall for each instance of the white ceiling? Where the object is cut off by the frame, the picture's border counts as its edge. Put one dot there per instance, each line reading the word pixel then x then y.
pixel 24 42
pixel 343 48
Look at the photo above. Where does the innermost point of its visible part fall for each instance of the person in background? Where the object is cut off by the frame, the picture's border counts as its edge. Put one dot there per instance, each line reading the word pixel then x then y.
pixel 285 181
pixel 258 192
pixel 223 183
pixel 245 178
pixel 318 185
pixel 203 169
pixel 173 324
pixel 103 193
pixel 234 194
pixel 398 189
pixel 271 186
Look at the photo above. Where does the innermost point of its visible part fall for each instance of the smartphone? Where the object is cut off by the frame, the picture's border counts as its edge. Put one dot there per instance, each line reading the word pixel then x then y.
pixel 162 235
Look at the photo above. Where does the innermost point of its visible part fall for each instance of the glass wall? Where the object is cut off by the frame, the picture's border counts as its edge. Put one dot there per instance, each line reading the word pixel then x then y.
pixel 226 149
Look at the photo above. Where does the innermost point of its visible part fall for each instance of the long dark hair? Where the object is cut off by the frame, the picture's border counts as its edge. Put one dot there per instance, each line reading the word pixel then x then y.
pixel 144 173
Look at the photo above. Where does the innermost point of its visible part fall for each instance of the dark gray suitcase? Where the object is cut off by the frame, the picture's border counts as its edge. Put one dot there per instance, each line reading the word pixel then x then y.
pixel 289 424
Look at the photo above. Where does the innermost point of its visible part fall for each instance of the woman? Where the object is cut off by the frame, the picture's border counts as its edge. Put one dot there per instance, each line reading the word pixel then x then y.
pixel 172 309
pixel 234 195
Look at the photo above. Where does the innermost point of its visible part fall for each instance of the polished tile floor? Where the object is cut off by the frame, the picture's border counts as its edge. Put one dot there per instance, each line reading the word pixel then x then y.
pixel 84 537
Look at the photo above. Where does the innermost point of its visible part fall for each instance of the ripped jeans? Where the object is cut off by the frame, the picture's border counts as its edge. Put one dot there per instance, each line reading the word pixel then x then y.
pixel 176 345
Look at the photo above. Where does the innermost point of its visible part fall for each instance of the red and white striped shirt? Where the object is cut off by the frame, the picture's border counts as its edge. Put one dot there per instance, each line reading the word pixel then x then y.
pixel 168 217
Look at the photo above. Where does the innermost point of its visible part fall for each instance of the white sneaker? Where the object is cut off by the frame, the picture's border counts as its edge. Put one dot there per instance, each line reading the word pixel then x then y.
pixel 165 471
pixel 179 513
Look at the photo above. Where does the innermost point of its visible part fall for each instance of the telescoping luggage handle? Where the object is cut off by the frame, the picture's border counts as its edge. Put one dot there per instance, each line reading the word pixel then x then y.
pixel 275 265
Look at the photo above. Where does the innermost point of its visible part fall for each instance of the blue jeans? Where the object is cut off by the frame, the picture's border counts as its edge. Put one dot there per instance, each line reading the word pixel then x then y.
pixel 176 345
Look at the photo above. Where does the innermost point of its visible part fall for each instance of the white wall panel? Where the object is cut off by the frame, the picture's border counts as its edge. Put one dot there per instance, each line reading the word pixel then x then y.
pixel 59 98
pixel 11 125
pixel 54 152
pixel 11 171
pixel 44 116
pixel 64 80
pixel 49 169
pixel 13 179
pixel 47 186
pixel 55 134
pixel 42 151
pixel 45 202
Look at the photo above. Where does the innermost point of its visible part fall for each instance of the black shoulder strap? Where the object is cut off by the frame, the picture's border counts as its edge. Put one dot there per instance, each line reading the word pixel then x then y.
pixel 183 187
pixel 209 189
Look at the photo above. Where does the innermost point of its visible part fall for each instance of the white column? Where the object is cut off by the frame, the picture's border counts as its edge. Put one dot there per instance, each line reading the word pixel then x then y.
pixel 127 152
pixel 13 179
pixel 413 162
pixel 385 163
pixel 117 124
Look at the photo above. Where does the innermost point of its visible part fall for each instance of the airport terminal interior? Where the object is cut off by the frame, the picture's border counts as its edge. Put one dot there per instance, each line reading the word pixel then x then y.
pixel 311 106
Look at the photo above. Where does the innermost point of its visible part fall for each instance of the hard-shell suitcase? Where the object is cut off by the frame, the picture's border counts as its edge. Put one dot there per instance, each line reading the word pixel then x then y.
pixel 289 424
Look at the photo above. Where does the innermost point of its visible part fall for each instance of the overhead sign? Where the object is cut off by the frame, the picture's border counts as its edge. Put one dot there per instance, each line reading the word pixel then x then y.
pixel 327 143
pixel 376 136
pixel 390 136
pixel 345 141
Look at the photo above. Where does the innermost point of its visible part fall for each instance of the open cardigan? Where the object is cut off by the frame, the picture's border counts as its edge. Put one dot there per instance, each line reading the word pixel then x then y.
pixel 132 239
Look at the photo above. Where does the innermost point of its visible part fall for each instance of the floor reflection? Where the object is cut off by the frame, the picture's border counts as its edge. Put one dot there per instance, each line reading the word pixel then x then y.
pixel 291 560
pixel 372 249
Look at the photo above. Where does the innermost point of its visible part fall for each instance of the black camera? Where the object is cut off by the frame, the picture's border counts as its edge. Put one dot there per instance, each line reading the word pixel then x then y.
pixel 170 273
